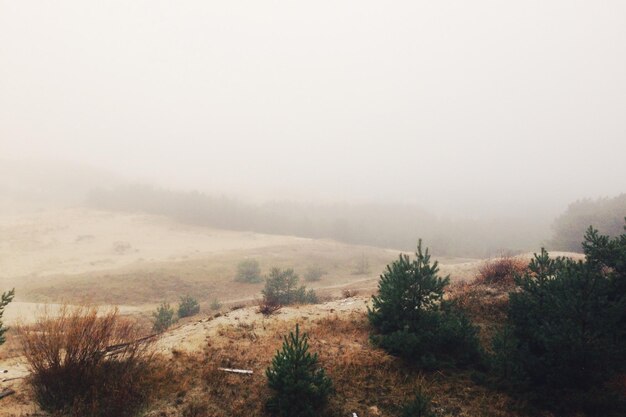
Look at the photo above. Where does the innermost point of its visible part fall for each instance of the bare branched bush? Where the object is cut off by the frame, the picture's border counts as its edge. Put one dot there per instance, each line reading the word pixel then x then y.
pixel 267 309
pixel 85 363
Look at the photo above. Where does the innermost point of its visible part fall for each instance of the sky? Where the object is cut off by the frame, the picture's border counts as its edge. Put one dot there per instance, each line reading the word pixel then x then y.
pixel 460 106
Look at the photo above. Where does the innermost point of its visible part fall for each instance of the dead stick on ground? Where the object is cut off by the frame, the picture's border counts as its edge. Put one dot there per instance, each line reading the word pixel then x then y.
pixel 12 379
pixel 236 371
pixel 6 393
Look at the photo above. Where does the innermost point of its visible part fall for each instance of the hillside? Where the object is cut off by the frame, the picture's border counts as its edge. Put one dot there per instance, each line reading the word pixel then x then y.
pixel 78 255
pixel 136 260
pixel 369 382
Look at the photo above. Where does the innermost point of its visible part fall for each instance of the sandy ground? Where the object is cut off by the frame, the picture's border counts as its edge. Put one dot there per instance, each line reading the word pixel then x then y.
pixel 193 337
pixel 80 240
pixel 83 255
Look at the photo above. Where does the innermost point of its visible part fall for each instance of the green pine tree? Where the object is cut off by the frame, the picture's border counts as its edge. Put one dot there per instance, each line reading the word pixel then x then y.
pixel 163 317
pixel 248 271
pixel 188 306
pixel 565 336
pixel 301 387
pixel 413 321
pixel 7 297
pixel 281 288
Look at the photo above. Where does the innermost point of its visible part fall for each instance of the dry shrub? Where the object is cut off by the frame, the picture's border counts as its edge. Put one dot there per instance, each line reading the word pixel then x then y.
pixel 502 271
pixel 348 293
pixel 267 309
pixel 84 363
pixel 485 299
pixel 485 305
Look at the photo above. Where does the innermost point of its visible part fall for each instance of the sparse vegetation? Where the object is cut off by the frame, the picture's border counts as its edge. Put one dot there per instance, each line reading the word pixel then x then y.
pixel 281 288
pixel 565 339
pixel 300 386
pixel 83 363
pixel 121 248
pixel 314 273
pixel 188 307
pixel 215 304
pixel 163 317
pixel 248 271
pixel 348 293
pixel 412 320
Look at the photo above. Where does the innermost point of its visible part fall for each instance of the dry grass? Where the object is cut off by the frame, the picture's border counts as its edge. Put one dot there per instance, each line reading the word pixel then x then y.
pixel 208 278
pixel 485 299
pixel 367 380
pixel 348 293
pixel 86 363
pixel 502 271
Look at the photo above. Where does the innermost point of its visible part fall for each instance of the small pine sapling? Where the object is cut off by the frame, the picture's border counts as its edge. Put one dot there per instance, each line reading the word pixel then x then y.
pixel 300 387
pixel 163 317
pixel 188 307
pixel 7 297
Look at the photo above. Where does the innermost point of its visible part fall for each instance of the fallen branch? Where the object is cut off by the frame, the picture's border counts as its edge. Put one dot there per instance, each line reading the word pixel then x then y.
pixel 13 379
pixel 236 371
pixel 6 393
pixel 112 349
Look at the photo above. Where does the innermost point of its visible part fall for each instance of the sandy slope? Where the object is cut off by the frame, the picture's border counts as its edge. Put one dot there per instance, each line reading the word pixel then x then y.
pixel 190 337
pixel 83 255
pixel 79 240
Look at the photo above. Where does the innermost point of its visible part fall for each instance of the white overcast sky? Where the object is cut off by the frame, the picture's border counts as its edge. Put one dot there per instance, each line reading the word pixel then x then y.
pixel 458 105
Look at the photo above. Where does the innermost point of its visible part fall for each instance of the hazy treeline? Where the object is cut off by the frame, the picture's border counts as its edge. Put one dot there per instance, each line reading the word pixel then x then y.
pixel 605 214
pixel 385 225
pixel 35 185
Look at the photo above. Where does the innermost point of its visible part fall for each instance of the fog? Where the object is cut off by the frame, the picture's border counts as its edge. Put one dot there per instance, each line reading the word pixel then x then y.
pixel 463 108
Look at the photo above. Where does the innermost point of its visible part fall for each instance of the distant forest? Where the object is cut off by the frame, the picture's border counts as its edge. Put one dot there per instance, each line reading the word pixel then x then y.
pixel 605 214
pixel 383 225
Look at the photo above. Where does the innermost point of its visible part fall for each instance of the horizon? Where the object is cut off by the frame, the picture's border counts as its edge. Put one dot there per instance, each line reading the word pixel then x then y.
pixel 477 108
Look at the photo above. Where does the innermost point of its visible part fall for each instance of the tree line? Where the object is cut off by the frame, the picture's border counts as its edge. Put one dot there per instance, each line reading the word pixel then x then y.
pixel 377 224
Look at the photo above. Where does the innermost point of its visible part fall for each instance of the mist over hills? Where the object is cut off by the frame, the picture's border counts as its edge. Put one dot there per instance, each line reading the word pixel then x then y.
pixel 37 185
pixel 27 185
pixel 397 226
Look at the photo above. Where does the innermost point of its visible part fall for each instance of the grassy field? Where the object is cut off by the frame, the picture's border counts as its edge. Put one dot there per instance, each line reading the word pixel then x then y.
pixel 80 256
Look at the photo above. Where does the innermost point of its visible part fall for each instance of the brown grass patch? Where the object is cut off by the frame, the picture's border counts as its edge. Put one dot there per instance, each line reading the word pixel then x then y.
pixel 368 381
pixel 485 299
pixel 502 271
